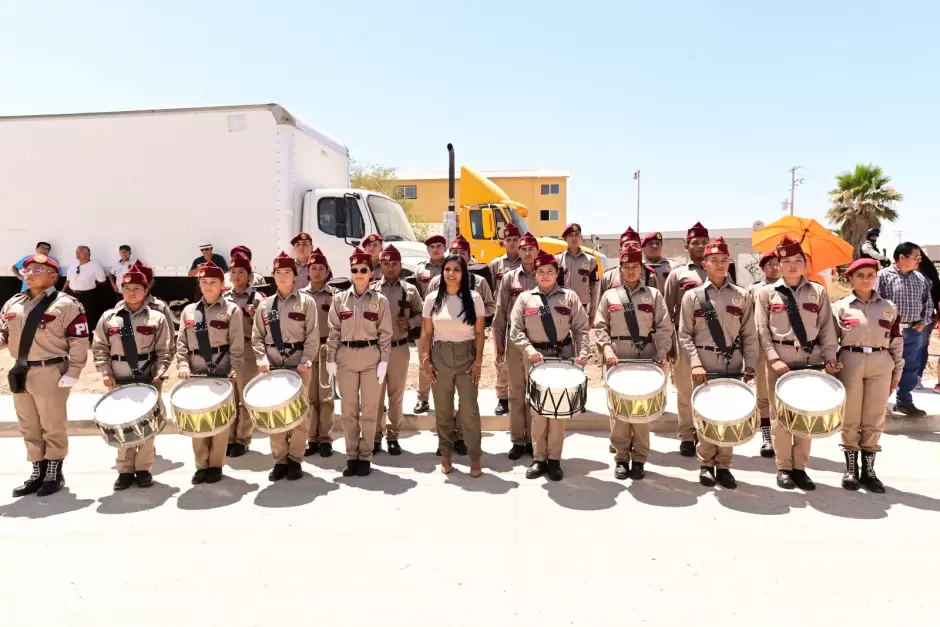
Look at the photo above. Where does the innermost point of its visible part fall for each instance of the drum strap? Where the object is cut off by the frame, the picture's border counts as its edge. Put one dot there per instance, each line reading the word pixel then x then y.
pixel 129 344
pixel 714 326
pixel 17 374
pixel 629 314
pixel 548 323
pixel 202 340
pixel 796 321
pixel 274 323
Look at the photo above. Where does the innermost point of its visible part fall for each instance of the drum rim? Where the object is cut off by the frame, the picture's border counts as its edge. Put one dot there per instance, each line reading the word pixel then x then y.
pixel 636 397
pixel 733 383
pixel 219 405
pixel 263 375
pixel 553 362
pixel 840 408
pixel 109 393
pixel 207 434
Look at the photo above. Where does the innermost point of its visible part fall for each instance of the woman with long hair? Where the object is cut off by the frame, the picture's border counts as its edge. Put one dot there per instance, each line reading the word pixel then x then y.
pixel 452 356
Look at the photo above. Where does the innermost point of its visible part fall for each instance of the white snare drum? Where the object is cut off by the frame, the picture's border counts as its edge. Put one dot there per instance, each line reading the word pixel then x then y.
pixel 203 406
pixel 276 401
pixel 636 392
pixel 810 403
pixel 557 389
pixel 130 415
pixel 725 412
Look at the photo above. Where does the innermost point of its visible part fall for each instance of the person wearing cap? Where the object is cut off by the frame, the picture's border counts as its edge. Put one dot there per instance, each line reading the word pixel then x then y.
pixel 785 350
pixel 424 274
pixel 869 248
pixel 531 335
pixel 303 247
pixel 42 248
pixel 578 270
pixel 871 348
pixel 255 280
pixel 205 257
pixel 508 356
pixel 615 343
pixel 124 263
pixel 248 300
pixel 681 280
pixel 320 394
pixel 724 356
pixel 406 309
pixel 146 331
pixel 765 395
pixel 499 267
pixel 611 277
pixel 372 244
pixel 46 365
pixel 652 245
pixel 221 322
pixel 357 355
pixel 156 304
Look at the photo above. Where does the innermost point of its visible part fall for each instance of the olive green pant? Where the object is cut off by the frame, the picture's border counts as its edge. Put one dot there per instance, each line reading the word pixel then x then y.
pixel 452 360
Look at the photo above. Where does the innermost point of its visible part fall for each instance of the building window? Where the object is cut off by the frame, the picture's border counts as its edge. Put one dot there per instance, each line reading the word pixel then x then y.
pixel 548 215
pixel 551 189
pixel 407 191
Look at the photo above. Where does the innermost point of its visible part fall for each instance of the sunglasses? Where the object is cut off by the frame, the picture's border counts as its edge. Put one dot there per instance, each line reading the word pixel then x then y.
pixel 360 270
pixel 36 271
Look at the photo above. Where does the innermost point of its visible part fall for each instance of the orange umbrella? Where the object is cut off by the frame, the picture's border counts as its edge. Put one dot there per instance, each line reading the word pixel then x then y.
pixel 824 249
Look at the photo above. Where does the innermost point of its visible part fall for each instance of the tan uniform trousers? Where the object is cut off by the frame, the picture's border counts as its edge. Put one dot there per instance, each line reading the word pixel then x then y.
pixel 502 381
pixel 867 381
pixel 791 451
pixel 359 390
pixel 41 413
pixel 520 418
pixel 631 441
pixel 548 434
pixel 291 444
pixel 708 453
pixel 765 393
pixel 210 452
pixel 320 418
pixel 242 428
pixel 424 385
pixel 138 458
pixel 452 360
pixel 682 379
pixel 394 387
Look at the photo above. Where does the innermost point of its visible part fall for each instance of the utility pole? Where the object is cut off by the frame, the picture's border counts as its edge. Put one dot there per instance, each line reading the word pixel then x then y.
pixel 636 177
pixel 793 183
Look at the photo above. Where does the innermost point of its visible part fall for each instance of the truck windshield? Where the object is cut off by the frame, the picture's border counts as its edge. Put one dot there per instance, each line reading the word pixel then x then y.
pixel 390 220
pixel 518 220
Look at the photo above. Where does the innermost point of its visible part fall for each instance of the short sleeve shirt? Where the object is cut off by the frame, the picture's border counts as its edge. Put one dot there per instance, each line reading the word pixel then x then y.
pixel 449 325
pixel 217 259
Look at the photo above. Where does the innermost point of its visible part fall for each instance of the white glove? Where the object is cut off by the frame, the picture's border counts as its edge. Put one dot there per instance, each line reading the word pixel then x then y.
pixel 331 369
pixel 381 370
pixel 66 381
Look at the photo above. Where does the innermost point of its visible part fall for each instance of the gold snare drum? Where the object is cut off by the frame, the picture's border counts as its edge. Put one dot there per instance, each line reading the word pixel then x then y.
pixel 636 392
pixel 810 403
pixel 203 406
pixel 725 412
pixel 276 401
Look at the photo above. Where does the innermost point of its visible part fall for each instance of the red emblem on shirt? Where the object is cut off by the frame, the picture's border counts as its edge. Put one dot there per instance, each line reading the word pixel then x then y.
pixel 811 307
pixel 218 324
pixel 345 315
pixel 565 311
pixel 885 323
pixel 530 311
pixel 371 316
pixel 146 330
pixel 614 307
pixel 777 307
pixel 9 316
pixel 851 323
pixel 645 308
pixel 78 327
pixel 735 311
pixel 297 316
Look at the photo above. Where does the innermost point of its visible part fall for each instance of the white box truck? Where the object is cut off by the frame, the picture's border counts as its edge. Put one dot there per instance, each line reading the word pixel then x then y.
pixel 165 181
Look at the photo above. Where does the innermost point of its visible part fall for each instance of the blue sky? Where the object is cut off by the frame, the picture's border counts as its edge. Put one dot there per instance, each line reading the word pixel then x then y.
pixel 713 101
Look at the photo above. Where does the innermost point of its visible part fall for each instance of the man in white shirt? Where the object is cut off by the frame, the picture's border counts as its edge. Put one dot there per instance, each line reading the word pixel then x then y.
pixel 82 279
pixel 123 264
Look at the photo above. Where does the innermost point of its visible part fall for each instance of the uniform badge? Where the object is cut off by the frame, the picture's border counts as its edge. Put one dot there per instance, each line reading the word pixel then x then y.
pixel 374 306
pixel 737 301
pixel 586 265
pixel 813 297
pixel 782 252
pixel 299 306
pixel 647 300
pixel 889 315
pixel 222 315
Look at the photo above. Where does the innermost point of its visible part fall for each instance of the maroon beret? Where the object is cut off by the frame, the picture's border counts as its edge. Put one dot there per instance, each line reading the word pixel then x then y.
pixel 211 271
pixel 858 264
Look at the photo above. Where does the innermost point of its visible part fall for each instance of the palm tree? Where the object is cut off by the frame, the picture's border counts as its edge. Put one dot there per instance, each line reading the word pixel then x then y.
pixel 861 200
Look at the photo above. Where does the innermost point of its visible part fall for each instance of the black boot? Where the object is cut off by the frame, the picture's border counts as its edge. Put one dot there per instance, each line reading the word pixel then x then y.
pixel 278 472
pixel 144 478
pixel 200 476
pixel 364 468
pixel 53 480
pixel 352 467
pixel 228 450
pixel 726 479
pixel 394 448
pixel 312 449
pixel 502 407
pixel 236 450
pixel 869 479
pixel 554 470
pixel 460 447
pixel 326 449
pixel 294 470
pixel 850 477
pixel 124 481
pixel 422 407
pixel 767 448
pixel 213 474
pixel 528 449
pixel 784 480
pixel 706 476
pixel 535 470
pixel 621 470
pixel 33 482
pixel 611 449
pixel 687 448
pixel 377 447
pixel 802 480
pixel 637 472
pixel 516 451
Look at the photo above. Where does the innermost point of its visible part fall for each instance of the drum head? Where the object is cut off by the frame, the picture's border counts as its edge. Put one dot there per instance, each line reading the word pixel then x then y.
pixel 635 381
pixel 199 395
pixel 125 404
pixel 272 391
pixel 724 401
pixel 557 375
pixel 810 392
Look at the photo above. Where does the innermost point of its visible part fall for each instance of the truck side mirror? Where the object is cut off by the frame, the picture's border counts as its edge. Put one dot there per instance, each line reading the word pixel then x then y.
pixel 489 224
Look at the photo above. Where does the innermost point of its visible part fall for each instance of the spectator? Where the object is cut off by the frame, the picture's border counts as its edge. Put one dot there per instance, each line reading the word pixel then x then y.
pixel 82 280
pixel 929 270
pixel 907 288
pixel 207 255
pixel 123 265
pixel 42 248
pixel 869 248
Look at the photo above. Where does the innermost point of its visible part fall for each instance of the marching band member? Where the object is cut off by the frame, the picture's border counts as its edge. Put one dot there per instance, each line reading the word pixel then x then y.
pixel 514 283
pixel 547 320
pixel 611 278
pixel 285 336
pixel 248 300
pixel 800 335
pixel 372 244
pixel 357 355
pixel 424 273
pixel 132 345
pixel 765 394
pixel 871 352
pixel 210 343
pixel 303 247
pixel 320 433
pixel 47 334
pixel 156 304
pixel 578 270
pixel 452 353
pixel 255 280
pixel 406 306
pixel 721 348
pixel 681 280
pixel 652 245
pixel 641 330
pixel 499 267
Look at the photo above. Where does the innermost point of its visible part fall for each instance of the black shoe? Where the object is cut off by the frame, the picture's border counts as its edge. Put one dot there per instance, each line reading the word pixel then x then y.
pixel 394 448
pixel 909 410
pixel 621 470
pixel 784 480
pixel 228 449
pixel 438 452
pixel 364 468
pixel 200 476
pixel 726 479
pixel 516 451
pixel 326 449
pixel 422 407
pixel 278 472
pixel 31 485
pixel 611 449
pixel 502 407
pixel 528 449
pixel 767 447
pixel 124 481
pixel 144 478
pixel 213 475
pixel 352 467
pixel 554 470
pixel 312 449
pixel 535 470
pixel 460 447
pixel 53 480
pixel 802 480
pixel 706 476
pixel 850 476
pixel 376 447
pixel 236 450
pixel 869 479
pixel 687 448
pixel 637 472
pixel 294 470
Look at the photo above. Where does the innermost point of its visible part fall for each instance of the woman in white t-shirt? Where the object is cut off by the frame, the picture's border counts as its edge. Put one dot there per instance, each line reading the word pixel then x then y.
pixel 452 355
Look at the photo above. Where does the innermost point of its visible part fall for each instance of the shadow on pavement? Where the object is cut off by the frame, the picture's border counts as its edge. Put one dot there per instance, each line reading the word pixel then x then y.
pixel 424 463
pixel 665 491
pixel 62 502
pixel 286 493
pixel 581 492
pixel 162 464
pixel 226 492
pixel 134 499
pixel 923 437
pixel 379 481
pixel 487 482
pixel 749 498
pixel 672 459
pixel 835 501
pixel 252 461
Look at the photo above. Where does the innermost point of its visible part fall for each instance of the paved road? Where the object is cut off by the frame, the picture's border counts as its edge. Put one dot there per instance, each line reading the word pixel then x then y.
pixel 408 546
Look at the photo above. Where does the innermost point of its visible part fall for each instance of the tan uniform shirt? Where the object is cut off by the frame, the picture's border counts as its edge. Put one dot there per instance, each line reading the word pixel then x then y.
pixel 480 286
pixel 151 335
pixel 735 311
pixel 256 281
pixel 612 279
pixel 501 266
pixel 610 326
pixel 303 275
pixel 62 331
pixel 324 300
pixel 426 271
pixel 355 318
pixel 248 298
pixel 580 275
pixel 226 328
pixel 158 304
pixel 681 280
pixel 874 324
pixel 404 302
pixel 662 269
pixel 514 283
pixel 815 310
pixel 297 315
pixel 568 314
